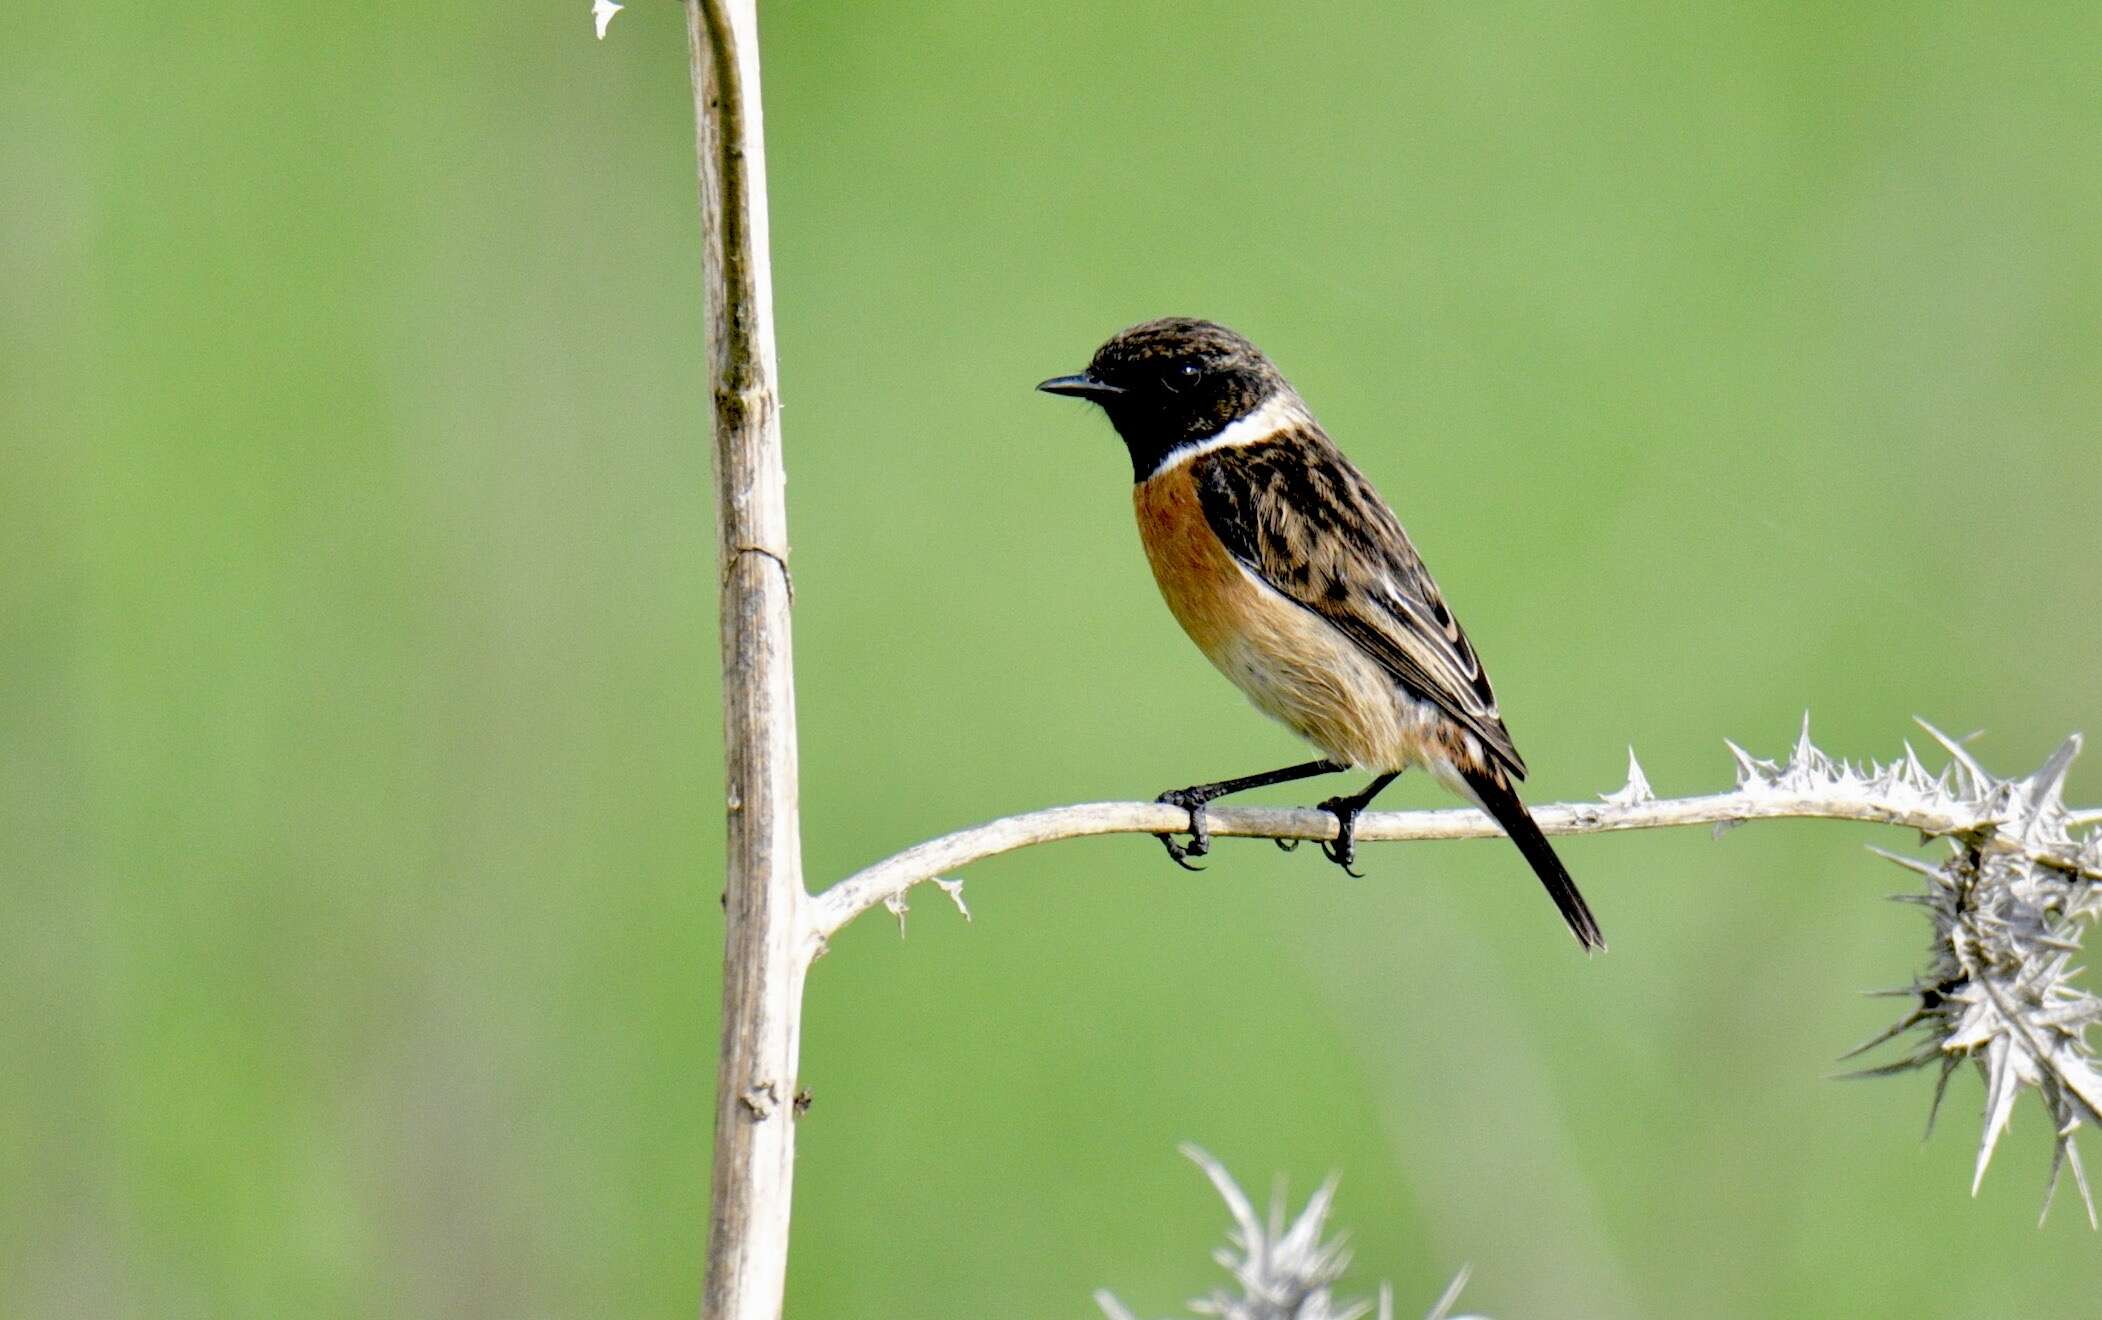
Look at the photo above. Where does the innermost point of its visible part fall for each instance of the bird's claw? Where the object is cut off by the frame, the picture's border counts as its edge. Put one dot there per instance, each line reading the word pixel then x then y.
pixel 1287 845
pixel 1200 842
pixel 1344 850
pixel 1180 853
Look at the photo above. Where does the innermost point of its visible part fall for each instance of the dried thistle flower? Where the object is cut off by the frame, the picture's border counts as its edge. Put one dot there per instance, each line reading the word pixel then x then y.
pixel 1283 1271
pixel 2009 907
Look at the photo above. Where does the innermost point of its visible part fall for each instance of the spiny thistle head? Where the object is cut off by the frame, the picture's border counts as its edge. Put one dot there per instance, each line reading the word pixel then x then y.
pixel 2009 906
pixel 1283 1271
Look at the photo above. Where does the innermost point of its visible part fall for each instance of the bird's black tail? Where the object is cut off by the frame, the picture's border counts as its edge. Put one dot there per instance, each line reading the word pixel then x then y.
pixel 1492 788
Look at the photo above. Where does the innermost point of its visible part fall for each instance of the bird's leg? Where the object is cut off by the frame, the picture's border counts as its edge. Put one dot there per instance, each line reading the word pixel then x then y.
pixel 1194 799
pixel 1344 850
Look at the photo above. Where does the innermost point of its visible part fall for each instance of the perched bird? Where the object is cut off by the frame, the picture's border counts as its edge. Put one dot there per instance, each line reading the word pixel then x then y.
pixel 1296 580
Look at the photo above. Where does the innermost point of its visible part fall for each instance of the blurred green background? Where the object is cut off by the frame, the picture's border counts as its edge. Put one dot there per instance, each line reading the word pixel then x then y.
pixel 359 789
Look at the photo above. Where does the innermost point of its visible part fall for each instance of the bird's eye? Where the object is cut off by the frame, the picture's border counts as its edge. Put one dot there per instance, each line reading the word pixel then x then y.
pixel 1191 371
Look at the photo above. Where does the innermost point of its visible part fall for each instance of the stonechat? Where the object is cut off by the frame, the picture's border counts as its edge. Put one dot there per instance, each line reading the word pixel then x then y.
pixel 1297 581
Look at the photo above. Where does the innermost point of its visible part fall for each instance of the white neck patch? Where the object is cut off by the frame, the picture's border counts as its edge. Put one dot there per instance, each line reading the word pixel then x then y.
pixel 1279 411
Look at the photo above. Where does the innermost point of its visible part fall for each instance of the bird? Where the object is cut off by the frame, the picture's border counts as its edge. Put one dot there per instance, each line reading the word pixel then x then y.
pixel 1296 580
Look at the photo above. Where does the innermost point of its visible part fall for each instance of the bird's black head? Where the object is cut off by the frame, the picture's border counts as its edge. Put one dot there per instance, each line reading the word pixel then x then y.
pixel 1173 382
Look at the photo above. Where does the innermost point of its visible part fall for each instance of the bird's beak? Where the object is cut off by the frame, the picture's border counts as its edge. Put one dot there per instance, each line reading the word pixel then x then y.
pixel 1082 386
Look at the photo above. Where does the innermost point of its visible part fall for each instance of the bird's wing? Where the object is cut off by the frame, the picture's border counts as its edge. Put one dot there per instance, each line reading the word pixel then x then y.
pixel 1294 512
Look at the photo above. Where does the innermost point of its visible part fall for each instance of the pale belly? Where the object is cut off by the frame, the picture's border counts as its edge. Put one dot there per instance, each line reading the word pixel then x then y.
pixel 1328 692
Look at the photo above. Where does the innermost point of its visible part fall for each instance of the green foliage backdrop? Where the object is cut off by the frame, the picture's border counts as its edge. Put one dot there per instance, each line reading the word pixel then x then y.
pixel 358 764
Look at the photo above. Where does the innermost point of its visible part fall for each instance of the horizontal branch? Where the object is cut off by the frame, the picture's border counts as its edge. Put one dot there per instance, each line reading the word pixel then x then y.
pixel 889 880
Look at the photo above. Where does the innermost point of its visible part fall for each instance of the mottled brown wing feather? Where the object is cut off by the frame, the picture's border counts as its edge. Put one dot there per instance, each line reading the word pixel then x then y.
pixel 1294 512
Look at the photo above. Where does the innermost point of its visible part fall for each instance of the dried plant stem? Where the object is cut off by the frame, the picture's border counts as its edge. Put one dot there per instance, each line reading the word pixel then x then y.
pixel 888 880
pixel 763 895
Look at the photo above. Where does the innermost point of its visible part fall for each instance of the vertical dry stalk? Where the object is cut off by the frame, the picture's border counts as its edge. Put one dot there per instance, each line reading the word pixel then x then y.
pixel 763 895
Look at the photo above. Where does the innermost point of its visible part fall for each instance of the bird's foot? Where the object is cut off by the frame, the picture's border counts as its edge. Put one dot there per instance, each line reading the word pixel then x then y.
pixel 1192 800
pixel 1344 850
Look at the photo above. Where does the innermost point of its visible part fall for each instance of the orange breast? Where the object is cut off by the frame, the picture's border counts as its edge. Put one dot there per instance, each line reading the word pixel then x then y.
pixel 1209 594
pixel 1295 667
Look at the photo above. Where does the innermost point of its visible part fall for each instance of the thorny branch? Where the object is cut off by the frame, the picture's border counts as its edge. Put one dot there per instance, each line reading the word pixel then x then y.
pixel 1811 787
pixel 2009 905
